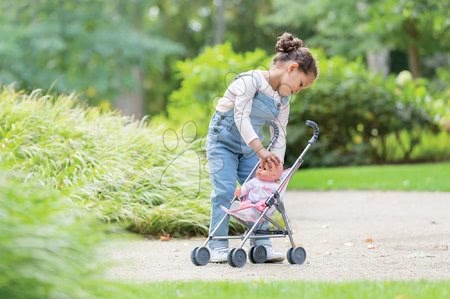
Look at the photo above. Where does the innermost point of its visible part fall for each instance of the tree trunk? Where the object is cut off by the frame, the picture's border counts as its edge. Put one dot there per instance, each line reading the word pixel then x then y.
pixel 413 50
pixel 378 61
pixel 413 61
pixel 220 22
pixel 132 103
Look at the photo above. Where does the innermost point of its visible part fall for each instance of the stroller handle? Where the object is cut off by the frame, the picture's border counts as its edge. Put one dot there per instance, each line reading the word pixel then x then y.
pixel 315 136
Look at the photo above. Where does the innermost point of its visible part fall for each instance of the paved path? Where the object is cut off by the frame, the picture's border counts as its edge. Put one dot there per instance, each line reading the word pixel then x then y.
pixel 348 235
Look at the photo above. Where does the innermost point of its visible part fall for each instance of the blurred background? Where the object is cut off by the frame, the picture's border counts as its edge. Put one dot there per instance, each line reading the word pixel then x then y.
pixel 382 95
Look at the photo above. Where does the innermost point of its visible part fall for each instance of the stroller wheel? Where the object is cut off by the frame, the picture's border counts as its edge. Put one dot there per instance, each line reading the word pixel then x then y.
pixel 257 254
pixel 200 256
pixel 237 257
pixel 296 255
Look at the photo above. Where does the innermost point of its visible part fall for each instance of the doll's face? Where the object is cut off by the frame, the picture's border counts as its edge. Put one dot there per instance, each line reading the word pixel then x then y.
pixel 270 175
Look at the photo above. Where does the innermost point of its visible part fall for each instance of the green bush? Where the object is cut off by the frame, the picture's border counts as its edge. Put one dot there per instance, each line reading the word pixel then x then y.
pixel 358 111
pixel 205 79
pixel 119 168
pixel 440 106
pixel 363 117
pixel 47 245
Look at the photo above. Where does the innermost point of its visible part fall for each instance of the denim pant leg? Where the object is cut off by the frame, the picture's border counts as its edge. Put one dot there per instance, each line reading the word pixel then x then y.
pixel 222 165
pixel 246 165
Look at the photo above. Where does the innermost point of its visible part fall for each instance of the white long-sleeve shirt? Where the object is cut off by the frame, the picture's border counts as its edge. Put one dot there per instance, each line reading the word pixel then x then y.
pixel 239 96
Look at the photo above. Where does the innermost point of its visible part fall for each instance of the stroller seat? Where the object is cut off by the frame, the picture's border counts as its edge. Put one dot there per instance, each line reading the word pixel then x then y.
pixel 249 211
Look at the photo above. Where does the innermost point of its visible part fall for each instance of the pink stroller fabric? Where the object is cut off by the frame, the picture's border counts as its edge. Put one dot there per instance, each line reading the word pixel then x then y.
pixel 250 212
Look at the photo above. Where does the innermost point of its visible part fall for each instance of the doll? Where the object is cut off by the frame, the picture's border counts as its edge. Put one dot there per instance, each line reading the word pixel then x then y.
pixel 254 193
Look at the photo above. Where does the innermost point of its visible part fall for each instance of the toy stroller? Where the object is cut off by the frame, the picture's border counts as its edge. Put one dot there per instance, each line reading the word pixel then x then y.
pixel 254 215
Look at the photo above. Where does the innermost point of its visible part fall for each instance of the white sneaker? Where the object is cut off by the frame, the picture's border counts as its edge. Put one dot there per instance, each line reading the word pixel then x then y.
pixel 218 255
pixel 273 256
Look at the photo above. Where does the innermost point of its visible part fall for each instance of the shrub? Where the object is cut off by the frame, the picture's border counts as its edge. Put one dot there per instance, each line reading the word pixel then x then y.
pixel 117 167
pixel 205 79
pixel 46 243
pixel 357 112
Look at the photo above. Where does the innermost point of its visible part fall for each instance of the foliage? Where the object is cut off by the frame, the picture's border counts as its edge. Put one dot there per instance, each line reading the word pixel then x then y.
pixel 357 111
pixel 244 18
pixel 419 177
pixel 87 46
pixel 353 28
pixel 193 23
pixel 116 50
pixel 46 243
pixel 322 25
pixel 402 23
pixel 440 88
pixel 205 79
pixel 119 168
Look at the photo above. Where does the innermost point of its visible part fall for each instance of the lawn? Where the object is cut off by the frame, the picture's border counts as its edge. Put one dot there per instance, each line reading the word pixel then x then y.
pixel 279 289
pixel 411 177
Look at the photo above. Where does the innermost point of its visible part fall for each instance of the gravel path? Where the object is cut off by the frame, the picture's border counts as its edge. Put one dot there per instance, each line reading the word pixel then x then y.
pixel 348 235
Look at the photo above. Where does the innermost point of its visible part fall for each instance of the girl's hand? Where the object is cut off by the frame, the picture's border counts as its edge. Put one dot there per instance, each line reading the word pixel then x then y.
pixel 267 158
pixel 237 192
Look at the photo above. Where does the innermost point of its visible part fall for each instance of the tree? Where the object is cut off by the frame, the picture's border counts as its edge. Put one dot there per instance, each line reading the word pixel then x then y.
pixel 194 24
pixel 354 28
pixel 205 79
pixel 118 51
pixel 335 25
pixel 90 46
pixel 419 27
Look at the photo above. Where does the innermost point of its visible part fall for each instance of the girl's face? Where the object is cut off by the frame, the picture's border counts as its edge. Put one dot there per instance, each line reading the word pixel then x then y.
pixel 294 80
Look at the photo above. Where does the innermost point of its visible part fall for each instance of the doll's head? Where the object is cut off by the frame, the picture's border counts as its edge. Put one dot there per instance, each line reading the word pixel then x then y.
pixel 269 174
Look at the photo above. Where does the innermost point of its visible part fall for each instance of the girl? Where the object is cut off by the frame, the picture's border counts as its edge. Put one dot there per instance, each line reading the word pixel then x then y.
pixel 234 141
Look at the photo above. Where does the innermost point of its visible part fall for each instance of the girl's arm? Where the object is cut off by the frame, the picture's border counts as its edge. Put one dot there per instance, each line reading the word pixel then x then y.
pixel 243 90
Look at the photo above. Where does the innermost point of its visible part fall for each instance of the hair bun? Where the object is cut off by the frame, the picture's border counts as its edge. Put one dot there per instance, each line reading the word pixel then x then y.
pixel 287 42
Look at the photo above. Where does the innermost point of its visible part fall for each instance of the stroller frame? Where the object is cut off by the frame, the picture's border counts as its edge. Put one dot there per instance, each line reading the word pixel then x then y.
pixel 237 257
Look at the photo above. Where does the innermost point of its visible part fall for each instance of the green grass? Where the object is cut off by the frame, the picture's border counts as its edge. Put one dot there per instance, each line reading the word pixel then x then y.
pixel 415 177
pixel 118 167
pixel 280 289
pixel 47 243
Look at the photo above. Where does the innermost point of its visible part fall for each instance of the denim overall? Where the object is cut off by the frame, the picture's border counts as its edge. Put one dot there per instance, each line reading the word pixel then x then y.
pixel 230 159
